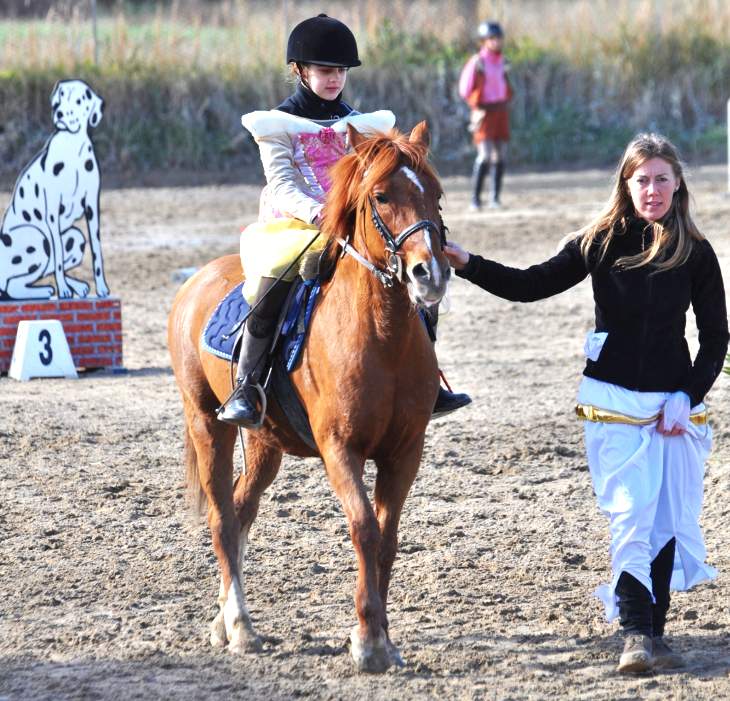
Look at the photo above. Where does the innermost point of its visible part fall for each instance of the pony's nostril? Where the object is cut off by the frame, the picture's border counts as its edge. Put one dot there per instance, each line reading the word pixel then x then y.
pixel 421 272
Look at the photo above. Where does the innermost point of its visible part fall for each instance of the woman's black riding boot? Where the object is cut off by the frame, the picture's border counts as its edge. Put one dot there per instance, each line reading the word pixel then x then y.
pixel 446 401
pixel 661 578
pixel 634 605
pixel 479 172
pixel 241 409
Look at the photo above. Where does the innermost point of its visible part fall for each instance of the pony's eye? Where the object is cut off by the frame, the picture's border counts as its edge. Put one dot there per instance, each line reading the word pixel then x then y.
pixel 381 198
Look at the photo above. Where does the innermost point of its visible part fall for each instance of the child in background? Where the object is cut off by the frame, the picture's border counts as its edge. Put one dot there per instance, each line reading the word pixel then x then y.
pixel 485 87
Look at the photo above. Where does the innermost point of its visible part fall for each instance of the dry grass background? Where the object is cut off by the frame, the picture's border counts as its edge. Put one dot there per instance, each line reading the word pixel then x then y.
pixel 177 75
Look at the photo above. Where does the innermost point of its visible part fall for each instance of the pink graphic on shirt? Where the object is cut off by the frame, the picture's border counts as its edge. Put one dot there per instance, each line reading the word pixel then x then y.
pixel 315 154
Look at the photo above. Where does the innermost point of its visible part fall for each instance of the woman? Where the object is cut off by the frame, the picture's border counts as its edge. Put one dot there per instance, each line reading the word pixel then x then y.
pixel 298 142
pixel 641 396
pixel 486 88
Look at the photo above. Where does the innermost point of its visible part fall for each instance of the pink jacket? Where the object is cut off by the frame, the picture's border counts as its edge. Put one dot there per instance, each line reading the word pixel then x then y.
pixel 494 87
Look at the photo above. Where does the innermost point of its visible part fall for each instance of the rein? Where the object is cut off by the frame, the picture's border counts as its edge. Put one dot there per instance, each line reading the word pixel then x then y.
pixel 394 264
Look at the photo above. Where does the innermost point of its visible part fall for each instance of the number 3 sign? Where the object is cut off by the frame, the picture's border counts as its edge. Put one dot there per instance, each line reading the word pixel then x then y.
pixel 41 350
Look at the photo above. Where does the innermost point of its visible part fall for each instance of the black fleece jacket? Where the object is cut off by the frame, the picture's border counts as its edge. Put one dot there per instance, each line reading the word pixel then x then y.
pixel 642 310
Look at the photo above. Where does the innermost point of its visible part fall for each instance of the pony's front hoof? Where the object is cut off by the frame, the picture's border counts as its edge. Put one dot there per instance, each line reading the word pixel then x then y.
pixel 245 646
pixel 374 656
pixel 218 636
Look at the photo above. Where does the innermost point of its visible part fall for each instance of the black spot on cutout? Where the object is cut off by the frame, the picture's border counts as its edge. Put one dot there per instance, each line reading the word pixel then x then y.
pixel 98 271
pixel 43 162
pixel 83 246
pixel 69 244
pixel 37 191
pixel 33 268
pixel 52 218
pixel 16 260
pixel 61 209
pixel 88 94
pixel 46 247
pixel 57 168
pixel 7 241
pixel 89 213
pixel 30 249
pixel 38 215
pixel 22 192
pixel 89 165
pixel 26 216
pixel 94 120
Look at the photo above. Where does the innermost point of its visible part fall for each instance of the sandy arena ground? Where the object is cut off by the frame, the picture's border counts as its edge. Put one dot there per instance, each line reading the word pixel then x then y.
pixel 108 590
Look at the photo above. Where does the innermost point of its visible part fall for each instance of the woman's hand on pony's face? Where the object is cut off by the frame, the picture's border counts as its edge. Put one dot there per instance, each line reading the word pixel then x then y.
pixel 457 256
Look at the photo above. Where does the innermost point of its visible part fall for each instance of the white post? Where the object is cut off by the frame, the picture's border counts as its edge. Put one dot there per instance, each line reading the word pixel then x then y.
pixel 96 35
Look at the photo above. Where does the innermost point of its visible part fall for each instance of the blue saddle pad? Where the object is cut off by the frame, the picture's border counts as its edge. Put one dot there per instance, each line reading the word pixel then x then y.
pixel 219 340
pixel 230 309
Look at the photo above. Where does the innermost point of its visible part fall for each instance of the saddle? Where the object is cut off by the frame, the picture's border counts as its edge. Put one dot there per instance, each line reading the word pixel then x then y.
pixel 221 339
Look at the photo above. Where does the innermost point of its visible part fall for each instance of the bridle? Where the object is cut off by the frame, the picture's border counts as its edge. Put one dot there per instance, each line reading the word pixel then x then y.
pixel 394 263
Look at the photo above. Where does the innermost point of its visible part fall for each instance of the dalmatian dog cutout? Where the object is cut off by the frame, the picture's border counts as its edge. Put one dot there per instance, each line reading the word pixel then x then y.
pixel 56 189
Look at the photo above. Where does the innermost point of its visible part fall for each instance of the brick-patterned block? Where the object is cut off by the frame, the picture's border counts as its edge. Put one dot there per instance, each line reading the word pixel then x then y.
pixel 93 328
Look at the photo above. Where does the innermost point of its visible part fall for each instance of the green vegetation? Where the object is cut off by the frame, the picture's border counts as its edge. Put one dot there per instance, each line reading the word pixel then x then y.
pixel 177 77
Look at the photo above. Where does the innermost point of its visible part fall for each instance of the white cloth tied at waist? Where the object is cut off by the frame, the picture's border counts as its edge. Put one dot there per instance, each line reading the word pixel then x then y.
pixel 650 486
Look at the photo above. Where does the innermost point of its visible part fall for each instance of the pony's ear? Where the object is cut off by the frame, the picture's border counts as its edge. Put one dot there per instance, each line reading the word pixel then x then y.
pixel 419 134
pixel 354 136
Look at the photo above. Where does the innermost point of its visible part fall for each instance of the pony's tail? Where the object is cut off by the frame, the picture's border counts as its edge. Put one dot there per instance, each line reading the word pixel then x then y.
pixel 195 495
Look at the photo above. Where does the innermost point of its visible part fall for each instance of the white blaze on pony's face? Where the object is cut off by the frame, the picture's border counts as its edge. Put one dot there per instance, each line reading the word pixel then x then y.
pixel 401 192
pixel 413 178
pixel 426 266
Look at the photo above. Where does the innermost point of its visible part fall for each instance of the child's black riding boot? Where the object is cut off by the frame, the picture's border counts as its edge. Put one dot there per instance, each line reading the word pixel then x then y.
pixel 241 409
pixel 497 175
pixel 480 171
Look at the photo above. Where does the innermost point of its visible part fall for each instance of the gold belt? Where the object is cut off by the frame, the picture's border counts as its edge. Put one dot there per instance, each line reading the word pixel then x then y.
pixel 588 412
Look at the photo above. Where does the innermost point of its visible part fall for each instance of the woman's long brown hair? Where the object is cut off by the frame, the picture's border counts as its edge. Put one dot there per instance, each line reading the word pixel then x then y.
pixel 673 237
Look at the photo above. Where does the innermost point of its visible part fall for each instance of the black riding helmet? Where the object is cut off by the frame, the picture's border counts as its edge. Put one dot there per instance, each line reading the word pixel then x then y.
pixel 322 40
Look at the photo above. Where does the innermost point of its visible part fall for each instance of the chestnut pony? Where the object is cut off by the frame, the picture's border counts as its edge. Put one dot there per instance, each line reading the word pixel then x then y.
pixel 368 379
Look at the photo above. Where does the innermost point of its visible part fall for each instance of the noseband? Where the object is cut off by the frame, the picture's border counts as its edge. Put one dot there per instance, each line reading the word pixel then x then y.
pixel 394 264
